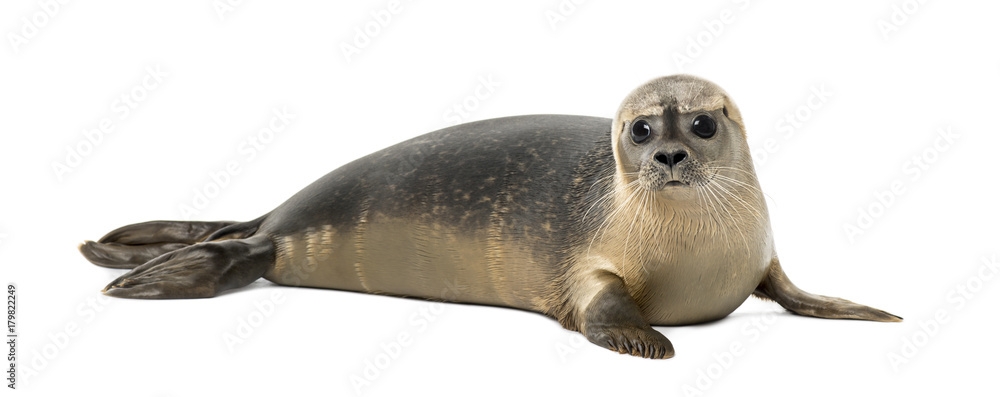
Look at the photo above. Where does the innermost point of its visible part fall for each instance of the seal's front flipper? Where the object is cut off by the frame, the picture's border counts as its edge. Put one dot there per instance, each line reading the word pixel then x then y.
pixel 778 288
pixel 198 271
pixel 612 320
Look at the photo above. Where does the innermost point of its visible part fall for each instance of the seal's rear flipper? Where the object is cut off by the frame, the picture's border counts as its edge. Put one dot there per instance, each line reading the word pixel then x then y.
pixel 121 256
pixel 163 232
pixel 132 245
pixel 198 271
pixel 777 287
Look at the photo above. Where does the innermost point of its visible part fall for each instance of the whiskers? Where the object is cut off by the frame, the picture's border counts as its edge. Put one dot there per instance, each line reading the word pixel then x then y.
pixel 634 194
pixel 731 202
pixel 728 207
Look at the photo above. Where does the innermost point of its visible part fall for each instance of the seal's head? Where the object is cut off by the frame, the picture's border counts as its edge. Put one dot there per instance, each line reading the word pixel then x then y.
pixel 675 134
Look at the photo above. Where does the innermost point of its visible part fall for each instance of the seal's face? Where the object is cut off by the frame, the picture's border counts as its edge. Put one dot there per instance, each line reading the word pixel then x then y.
pixel 676 134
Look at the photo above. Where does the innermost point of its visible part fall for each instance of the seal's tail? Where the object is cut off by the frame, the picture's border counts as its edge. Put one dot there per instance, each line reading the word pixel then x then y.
pixel 130 246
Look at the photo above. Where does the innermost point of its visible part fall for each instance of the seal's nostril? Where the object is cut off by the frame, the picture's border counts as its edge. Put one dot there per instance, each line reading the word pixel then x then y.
pixel 671 159
pixel 679 156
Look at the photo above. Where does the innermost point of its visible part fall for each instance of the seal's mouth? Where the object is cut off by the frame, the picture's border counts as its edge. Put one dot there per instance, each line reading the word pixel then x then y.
pixel 668 185
pixel 688 175
pixel 658 179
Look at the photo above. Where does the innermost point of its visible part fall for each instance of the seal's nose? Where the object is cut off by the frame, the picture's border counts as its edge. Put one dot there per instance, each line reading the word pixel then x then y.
pixel 671 159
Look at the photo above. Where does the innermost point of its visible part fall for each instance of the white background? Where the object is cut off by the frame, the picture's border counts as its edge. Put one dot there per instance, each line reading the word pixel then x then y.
pixel 892 85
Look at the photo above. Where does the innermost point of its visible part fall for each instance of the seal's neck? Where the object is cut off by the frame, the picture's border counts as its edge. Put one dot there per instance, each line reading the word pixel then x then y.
pixel 712 223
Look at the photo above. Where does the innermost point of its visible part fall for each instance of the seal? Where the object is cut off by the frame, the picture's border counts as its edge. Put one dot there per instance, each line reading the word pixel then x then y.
pixel 610 226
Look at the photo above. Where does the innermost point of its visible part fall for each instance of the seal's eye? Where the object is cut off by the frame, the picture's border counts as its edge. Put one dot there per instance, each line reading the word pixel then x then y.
pixel 703 126
pixel 640 131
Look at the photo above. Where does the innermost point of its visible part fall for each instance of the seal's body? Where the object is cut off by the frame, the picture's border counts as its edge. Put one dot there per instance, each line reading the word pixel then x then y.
pixel 482 211
pixel 666 225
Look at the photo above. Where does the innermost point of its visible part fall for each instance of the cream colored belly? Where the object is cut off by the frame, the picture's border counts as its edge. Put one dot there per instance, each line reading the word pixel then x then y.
pixel 698 287
pixel 412 258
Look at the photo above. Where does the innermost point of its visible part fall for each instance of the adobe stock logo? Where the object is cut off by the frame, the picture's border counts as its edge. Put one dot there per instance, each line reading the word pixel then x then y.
pixel 791 123
pixel 248 149
pixel 886 197
pixel 898 17
pixel 123 107
pixel 712 30
pixel 365 34
pixel 561 12
pixel 460 111
pixel 958 297
pixel 223 7
pixel 31 26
